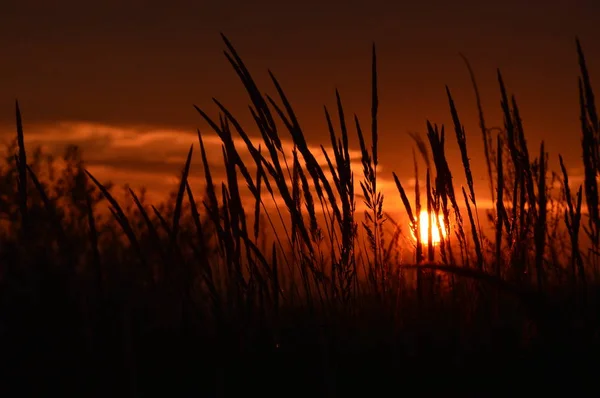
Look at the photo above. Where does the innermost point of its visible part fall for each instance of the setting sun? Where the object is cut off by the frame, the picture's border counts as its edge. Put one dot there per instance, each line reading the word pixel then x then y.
pixel 424 228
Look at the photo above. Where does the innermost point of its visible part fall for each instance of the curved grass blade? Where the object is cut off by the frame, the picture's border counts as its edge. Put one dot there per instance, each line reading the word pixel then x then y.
pixel 120 217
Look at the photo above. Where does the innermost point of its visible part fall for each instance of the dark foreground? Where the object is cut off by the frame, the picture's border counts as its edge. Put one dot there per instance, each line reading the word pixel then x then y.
pixel 50 346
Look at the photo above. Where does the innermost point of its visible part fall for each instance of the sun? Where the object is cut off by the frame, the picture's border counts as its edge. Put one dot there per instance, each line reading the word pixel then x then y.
pixel 435 228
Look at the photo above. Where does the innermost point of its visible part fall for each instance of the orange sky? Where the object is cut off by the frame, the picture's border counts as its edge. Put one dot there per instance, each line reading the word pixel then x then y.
pixel 87 74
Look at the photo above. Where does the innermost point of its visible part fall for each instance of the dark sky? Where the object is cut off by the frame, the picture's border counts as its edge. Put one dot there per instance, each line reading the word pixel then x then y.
pixel 123 63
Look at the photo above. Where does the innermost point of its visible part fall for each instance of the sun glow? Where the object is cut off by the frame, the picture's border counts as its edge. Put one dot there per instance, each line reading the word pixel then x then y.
pixel 436 226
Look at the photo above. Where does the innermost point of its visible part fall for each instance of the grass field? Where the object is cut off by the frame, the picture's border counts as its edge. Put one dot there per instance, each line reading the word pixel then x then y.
pixel 276 282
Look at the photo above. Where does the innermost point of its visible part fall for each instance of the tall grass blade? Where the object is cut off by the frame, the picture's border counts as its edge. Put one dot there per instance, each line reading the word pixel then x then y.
pixel 22 168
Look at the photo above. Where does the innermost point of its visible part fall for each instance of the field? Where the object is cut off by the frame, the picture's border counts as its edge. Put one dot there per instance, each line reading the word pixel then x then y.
pixel 288 276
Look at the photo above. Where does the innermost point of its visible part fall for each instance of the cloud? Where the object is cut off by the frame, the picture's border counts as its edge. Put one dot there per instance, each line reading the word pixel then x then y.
pixel 153 158
pixel 147 156
pixel 105 141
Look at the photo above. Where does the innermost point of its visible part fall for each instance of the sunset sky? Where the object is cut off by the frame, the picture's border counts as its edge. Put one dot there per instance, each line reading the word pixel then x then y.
pixel 119 78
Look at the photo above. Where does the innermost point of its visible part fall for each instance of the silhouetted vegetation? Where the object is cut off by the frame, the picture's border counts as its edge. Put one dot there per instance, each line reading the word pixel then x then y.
pixel 300 292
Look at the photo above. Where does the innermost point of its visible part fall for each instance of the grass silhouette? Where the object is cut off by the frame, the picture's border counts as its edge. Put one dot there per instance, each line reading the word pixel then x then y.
pixel 209 297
